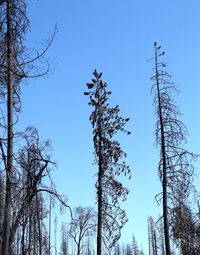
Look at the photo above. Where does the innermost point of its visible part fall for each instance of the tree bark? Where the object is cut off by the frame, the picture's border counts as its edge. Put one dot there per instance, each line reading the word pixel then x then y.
pixel 50 225
pixel 7 207
pixel 38 222
pixel 99 232
pixel 79 248
pixel 164 166
pixel 99 191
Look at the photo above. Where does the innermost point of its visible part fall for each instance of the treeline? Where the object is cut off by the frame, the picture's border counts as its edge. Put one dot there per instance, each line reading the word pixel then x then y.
pixel 27 225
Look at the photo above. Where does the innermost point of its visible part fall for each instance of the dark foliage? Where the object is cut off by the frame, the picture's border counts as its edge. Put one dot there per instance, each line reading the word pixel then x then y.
pixel 106 122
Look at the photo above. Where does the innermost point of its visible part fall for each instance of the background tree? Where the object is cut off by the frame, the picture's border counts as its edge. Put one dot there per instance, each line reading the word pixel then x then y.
pixel 34 162
pixel 64 240
pixel 135 249
pixel 129 250
pixel 117 249
pixel 55 234
pixel 176 164
pixel 106 123
pixel 152 236
pixel 82 225
pixel 186 230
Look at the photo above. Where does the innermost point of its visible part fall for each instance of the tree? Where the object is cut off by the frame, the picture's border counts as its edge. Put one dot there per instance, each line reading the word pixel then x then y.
pixel 135 249
pixel 34 162
pixel 186 230
pixel 176 164
pixel 64 240
pixel 117 250
pixel 55 234
pixel 129 250
pixel 106 122
pixel 1 206
pixel 153 249
pixel 83 224
pixel 89 247
pixel 16 64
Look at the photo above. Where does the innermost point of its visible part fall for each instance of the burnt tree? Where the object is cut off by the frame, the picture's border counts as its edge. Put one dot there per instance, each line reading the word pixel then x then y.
pixel 17 63
pixel 106 122
pixel 82 225
pixel 176 163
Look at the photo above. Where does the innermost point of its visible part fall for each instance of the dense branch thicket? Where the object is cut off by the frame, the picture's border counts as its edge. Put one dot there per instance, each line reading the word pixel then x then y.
pixel 176 168
pixel 186 230
pixel 106 122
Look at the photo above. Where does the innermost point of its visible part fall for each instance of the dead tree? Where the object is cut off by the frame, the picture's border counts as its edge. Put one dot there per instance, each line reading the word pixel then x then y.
pixel 34 162
pixel 176 163
pixel 16 64
pixel 152 236
pixel 135 249
pixel 64 248
pixel 186 230
pixel 82 225
pixel 106 122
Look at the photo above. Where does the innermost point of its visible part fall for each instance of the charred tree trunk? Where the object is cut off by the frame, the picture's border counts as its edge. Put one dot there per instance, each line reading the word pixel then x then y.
pixel 79 248
pixel 23 246
pixel 39 225
pixel 50 205
pixel 7 207
pixel 164 164
pixel 99 230
pixel 99 192
pixel 30 235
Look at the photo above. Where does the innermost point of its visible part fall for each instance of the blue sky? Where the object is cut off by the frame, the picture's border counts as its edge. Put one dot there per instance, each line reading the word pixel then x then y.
pixel 115 37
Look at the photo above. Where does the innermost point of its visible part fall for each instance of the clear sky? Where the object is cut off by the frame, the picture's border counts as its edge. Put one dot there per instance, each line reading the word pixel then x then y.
pixel 115 37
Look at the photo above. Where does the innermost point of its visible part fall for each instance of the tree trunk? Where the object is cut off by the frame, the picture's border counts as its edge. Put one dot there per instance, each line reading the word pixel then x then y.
pixel 99 191
pixel 23 239
pixel 50 225
pixel 7 207
pixel 164 167
pixel 155 242
pixel 79 248
pixel 99 232
pixel 30 234
pixel 39 226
